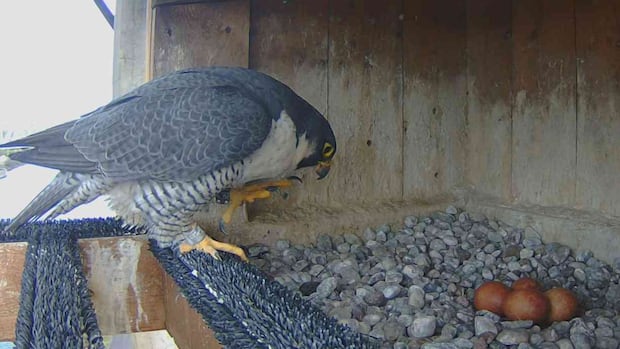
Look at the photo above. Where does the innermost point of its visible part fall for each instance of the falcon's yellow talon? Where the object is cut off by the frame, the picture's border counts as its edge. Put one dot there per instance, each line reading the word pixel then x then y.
pixel 210 246
pixel 251 192
pixel 185 248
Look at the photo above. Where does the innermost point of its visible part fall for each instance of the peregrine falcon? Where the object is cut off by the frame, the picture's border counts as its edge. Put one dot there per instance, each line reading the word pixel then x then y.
pixel 163 151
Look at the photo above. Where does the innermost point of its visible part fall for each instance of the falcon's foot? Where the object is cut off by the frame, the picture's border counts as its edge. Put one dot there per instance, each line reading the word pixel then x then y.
pixel 251 192
pixel 210 246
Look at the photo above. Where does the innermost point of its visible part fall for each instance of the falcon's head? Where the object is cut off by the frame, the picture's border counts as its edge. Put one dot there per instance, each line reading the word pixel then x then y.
pixel 314 133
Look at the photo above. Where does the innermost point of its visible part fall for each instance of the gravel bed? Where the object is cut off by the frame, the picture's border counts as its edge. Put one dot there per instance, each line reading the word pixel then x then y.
pixel 412 286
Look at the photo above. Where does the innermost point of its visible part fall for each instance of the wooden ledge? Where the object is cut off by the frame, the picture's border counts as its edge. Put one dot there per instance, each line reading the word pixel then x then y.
pixel 125 279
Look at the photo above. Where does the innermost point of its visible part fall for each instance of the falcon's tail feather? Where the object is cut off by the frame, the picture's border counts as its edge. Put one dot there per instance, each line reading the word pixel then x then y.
pixel 7 164
pixel 63 185
pixel 49 148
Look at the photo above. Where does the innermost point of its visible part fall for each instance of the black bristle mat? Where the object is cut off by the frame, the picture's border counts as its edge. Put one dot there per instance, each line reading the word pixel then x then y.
pixel 82 228
pixel 55 306
pixel 239 303
pixel 246 310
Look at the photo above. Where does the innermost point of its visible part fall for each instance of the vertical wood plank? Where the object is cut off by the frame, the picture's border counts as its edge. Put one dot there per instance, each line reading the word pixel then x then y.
pixel 434 96
pixel 544 115
pixel 202 34
pixel 288 40
pixel 126 283
pixel 194 35
pixel 13 257
pixel 130 45
pixel 489 119
pixel 598 143
pixel 365 99
pixel 183 323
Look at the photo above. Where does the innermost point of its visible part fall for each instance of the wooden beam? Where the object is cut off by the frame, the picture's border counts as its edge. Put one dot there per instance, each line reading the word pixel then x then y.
pixel 12 257
pixel 184 324
pixel 124 277
pixel 126 281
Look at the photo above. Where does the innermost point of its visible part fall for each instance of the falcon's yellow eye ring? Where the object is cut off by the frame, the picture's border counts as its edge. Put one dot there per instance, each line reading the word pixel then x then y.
pixel 328 150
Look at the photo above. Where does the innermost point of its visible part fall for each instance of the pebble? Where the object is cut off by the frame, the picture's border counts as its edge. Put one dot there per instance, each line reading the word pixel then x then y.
pixel 381 236
pixel 606 343
pixel 517 324
pixel 308 288
pixel 448 331
pixel 372 319
pixel 257 250
pixel 352 239
pixel 513 337
pixel 300 265
pixel 422 327
pixel 417 297
pixel 526 253
pixel 411 221
pixel 326 287
pixel 391 291
pixel 393 330
pixel 324 242
pixel 564 343
pixel 446 345
pixel 343 247
pixel 581 341
pixel 536 339
pixel 550 334
pixel 412 285
pixel 483 324
pixel 375 298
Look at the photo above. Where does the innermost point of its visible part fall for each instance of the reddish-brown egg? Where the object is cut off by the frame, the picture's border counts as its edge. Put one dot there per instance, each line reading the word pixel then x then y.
pixel 525 284
pixel 491 296
pixel 564 304
pixel 526 304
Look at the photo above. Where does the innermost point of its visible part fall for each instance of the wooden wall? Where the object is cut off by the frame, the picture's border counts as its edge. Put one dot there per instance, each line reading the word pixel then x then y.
pixel 518 100
pixel 543 116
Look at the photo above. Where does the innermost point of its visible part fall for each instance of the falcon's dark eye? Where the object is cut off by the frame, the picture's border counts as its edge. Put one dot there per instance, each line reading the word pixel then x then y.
pixel 328 150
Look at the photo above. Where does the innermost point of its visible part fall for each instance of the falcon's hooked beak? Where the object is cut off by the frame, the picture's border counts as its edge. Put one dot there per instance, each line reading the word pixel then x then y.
pixel 322 169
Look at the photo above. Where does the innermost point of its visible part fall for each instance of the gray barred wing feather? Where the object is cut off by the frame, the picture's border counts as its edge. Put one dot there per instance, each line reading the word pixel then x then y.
pixel 173 134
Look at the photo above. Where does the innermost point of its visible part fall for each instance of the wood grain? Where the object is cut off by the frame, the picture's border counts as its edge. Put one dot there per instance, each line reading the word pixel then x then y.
pixel 157 3
pixel 202 34
pixel 288 40
pixel 126 284
pixel 12 258
pixel 489 112
pixel 434 96
pixel 184 324
pixel 199 35
pixel 598 91
pixel 544 115
pixel 365 99
pixel 130 45
pixel 124 277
